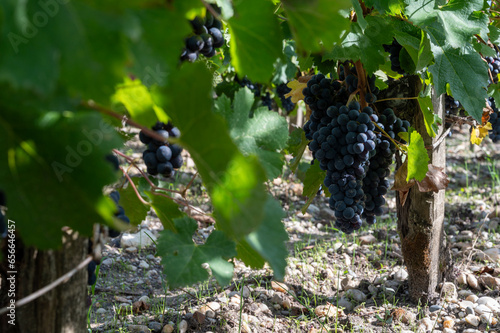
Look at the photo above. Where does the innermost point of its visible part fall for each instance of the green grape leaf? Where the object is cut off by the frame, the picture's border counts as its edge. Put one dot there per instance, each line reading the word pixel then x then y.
pixel 483 49
pixel 314 179
pixel 41 55
pixel 134 208
pixel 494 34
pixel 454 22
pixel 359 15
pixel 53 167
pixel 151 63
pixel 269 240
pixel 297 144
pixel 178 251
pixel 271 161
pixel 415 43
pixel 166 209
pixel 425 102
pixel 417 157
pixel 285 70
pixel 450 28
pixel 466 74
pixel 316 25
pixel 367 46
pixel 260 135
pixel 234 182
pixel 255 27
pixel 139 103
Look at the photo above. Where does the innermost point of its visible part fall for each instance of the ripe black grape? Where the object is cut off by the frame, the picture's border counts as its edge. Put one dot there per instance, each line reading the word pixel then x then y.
pixel 161 157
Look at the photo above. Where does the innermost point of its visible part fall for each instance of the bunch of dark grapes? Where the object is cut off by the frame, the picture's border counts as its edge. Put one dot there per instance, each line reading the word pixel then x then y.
pixel 161 157
pixel 376 185
pixel 3 225
pixel 494 134
pixel 344 139
pixel 256 89
pixel 494 67
pixel 451 106
pixel 286 102
pixel 207 36
pixel 120 213
pixel 394 50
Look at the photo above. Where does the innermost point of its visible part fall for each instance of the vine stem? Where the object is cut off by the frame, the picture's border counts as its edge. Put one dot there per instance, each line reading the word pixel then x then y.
pixel 389 137
pixel 210 9
pixel 135 188
pixel 360 71
pixel 97 107
pixel 47 288
pixel 155 188
pixel 395 98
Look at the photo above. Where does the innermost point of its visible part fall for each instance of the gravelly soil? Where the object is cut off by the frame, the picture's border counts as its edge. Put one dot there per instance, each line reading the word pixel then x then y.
pixel 334 282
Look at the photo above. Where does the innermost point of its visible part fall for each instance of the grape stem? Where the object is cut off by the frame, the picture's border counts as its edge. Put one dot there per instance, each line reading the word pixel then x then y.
pixel 395 98
pixel 135 188
pixel 389 137
pixel 211 9
pixel 155 188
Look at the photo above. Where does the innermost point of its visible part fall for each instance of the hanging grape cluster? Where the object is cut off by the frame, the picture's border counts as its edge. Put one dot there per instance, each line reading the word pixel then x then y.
pixel 162 157
pixel 394 51
pixel 375 184
pixel 286 102
pixel 206 37
pixel 494 67
pixel 344 140
pixel 256 88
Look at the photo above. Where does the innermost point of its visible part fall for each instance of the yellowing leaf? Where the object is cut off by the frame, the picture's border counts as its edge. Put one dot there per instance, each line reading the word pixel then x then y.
pixel 296 92
pixel 479 133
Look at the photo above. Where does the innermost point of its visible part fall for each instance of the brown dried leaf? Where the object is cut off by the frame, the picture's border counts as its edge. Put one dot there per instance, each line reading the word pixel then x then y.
pixel 435 180
pixel 400 183
pixel 485 270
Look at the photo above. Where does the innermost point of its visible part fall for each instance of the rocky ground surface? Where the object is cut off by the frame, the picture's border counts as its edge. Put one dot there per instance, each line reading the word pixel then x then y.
pixel 334 282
